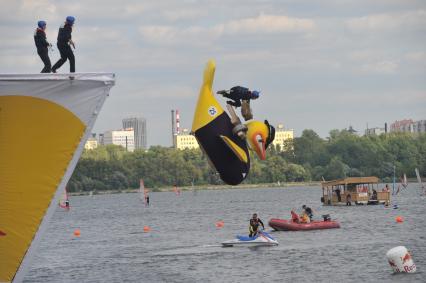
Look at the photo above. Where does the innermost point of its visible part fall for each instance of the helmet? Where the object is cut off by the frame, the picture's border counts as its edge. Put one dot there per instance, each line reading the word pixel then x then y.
pixel 255 94
pixel 70 20
pixel 41 24
pixel 271 134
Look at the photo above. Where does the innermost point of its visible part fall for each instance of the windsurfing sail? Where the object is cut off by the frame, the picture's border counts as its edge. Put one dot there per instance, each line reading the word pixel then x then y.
pixel 419 180
pixel 45 120
pixel 176 190
pixel 64 201
pixel 403 184
pixel 143 192
pixel 394 181
pixel 404 181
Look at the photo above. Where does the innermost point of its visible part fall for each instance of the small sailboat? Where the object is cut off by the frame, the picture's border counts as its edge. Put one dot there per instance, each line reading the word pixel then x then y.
pixel 176 190
pixel 64 201
pixel 143 193
pixel 419 180
pixel 403 184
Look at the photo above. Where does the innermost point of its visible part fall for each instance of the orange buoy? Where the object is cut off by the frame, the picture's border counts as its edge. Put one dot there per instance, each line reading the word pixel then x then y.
pixel 146 229
pixel 219 224
pixel 399 219
pixel 77 232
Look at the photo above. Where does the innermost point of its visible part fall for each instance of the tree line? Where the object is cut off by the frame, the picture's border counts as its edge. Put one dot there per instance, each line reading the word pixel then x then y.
pixel 305 158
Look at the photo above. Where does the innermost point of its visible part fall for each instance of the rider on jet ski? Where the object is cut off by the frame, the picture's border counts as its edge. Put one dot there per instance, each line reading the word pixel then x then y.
pixel 254 225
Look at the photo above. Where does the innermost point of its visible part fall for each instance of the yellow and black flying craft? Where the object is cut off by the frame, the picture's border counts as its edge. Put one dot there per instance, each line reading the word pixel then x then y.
pixel 213 129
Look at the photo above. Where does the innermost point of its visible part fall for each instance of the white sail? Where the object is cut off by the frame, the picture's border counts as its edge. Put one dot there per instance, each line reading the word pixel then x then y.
pixel 419 180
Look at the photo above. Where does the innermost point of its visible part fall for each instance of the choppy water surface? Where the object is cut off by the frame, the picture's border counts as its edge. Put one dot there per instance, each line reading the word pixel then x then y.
pixel 184 244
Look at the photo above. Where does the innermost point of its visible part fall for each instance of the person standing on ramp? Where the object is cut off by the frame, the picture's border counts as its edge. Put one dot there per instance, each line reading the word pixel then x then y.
pixel 42 45
pixel 64 45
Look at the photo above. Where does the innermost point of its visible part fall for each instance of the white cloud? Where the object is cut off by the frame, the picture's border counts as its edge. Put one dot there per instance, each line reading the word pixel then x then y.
pixel 390 21
pixel 381 67
pixel 416 56
pixel 269 24
pixel 135 8
pixel 203 35
pixel 184 14
pixel 38 6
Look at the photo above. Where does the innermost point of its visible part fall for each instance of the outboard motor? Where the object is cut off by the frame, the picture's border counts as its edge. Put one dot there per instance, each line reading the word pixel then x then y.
pixel 326 217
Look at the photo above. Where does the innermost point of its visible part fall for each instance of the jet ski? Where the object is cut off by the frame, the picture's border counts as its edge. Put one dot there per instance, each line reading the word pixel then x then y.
pixel 261 239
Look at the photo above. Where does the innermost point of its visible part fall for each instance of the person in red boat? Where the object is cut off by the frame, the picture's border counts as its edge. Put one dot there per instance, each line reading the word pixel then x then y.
pixel 294 217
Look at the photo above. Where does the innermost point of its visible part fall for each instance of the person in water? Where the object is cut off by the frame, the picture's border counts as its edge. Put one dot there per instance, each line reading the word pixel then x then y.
pixel 64 45
pixel 67 203
pixel 308 211
pixel 42 45
pixel 254 225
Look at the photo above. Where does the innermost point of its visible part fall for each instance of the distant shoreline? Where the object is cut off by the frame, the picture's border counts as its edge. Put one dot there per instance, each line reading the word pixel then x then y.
pixel 204 187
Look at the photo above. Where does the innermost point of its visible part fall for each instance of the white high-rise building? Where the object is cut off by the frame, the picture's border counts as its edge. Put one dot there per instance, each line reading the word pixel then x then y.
pixel 125 138
pixel 139 127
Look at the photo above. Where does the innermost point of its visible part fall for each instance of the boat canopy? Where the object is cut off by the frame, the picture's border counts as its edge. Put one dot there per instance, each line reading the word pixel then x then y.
pixel 351 180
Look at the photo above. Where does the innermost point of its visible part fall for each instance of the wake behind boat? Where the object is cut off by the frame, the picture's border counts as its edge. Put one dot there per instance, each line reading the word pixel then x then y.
pixel 262 239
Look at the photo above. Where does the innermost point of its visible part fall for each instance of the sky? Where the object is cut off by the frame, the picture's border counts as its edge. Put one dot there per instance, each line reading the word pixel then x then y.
pixel 319 64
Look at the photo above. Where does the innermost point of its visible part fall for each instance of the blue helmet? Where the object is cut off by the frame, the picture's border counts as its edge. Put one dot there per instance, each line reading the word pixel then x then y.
pixel 41 24
pixel 70 20
pixel 255 94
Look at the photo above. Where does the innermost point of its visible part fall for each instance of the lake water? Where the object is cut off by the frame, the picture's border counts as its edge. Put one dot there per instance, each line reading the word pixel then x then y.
pixel 184 244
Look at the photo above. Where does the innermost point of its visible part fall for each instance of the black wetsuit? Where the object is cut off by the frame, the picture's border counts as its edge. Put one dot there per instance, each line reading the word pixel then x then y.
pixel 238 93
pixel 64 36
pixel 254 225
pixel 42 51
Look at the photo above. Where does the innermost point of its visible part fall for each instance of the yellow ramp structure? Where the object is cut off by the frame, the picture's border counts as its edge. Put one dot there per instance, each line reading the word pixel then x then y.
pixel 45 120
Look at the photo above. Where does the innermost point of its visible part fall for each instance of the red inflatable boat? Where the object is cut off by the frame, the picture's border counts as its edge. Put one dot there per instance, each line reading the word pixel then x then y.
pixel 288 225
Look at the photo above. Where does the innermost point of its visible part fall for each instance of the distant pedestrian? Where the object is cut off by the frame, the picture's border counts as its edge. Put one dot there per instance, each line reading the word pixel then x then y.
pixel 64 45
pixel 42 45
